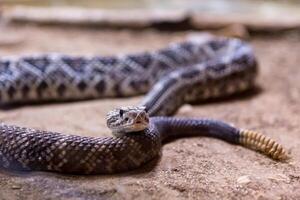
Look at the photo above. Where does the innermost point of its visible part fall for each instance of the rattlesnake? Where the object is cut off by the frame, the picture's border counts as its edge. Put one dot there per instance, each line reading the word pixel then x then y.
pixel 191 71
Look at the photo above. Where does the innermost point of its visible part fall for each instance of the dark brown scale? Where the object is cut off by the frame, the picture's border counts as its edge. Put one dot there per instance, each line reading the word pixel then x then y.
pixel 126 69
pixel 4 67
pixel 118 90
pixel 76 63
pixel 100 86
pixel 61 89
pixel 107 61
pixel 11 91
pixel 139 85
pixel 42 87
pixel 41 63
pixel 82 85
pixel 142 61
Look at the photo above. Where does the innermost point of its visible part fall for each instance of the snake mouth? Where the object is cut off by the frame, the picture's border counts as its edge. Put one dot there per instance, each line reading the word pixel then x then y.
pixel 135 127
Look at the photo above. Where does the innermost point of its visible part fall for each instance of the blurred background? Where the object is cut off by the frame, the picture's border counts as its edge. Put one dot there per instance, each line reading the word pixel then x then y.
pixel 198 5
pixel 198 14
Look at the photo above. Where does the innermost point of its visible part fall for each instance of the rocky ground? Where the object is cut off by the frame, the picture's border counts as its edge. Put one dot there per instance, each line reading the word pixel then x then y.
pixel 191 168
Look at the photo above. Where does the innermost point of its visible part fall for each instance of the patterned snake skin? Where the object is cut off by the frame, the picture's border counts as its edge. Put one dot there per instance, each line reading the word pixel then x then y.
pixel 191 71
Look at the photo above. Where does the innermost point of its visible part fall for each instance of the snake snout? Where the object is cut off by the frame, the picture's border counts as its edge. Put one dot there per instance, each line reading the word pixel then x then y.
pixel 142 118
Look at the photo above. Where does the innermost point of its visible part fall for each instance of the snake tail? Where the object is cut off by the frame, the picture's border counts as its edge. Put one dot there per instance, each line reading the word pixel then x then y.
pixel 261 143
pixel 177 127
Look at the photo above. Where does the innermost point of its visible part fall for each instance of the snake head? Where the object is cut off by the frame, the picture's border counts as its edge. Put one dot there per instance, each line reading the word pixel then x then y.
pixel 127 119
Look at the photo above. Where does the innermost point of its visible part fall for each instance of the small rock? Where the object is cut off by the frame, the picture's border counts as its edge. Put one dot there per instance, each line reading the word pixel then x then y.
pixel 244 179
pixel 175 170
pixel 234 30
pixel 185 109
pixel 280 177
pixel 16 187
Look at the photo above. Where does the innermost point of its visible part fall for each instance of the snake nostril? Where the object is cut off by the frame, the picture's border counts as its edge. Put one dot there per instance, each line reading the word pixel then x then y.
pixel 141 119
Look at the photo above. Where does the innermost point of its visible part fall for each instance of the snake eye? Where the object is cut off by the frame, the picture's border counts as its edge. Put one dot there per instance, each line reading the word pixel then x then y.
pixel 121 112
pixel 126 119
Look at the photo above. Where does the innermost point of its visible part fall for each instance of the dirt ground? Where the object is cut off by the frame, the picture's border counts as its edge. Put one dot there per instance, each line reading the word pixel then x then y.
pixel 190 168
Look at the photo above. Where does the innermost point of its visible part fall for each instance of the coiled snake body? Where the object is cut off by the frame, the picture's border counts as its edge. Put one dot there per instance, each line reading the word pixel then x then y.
pixel 185 72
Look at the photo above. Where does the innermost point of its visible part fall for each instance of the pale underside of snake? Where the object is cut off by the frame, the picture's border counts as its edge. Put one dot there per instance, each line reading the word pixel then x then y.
pixel 187 72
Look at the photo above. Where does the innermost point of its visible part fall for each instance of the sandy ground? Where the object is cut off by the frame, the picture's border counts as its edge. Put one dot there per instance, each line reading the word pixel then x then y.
pixel 191 168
